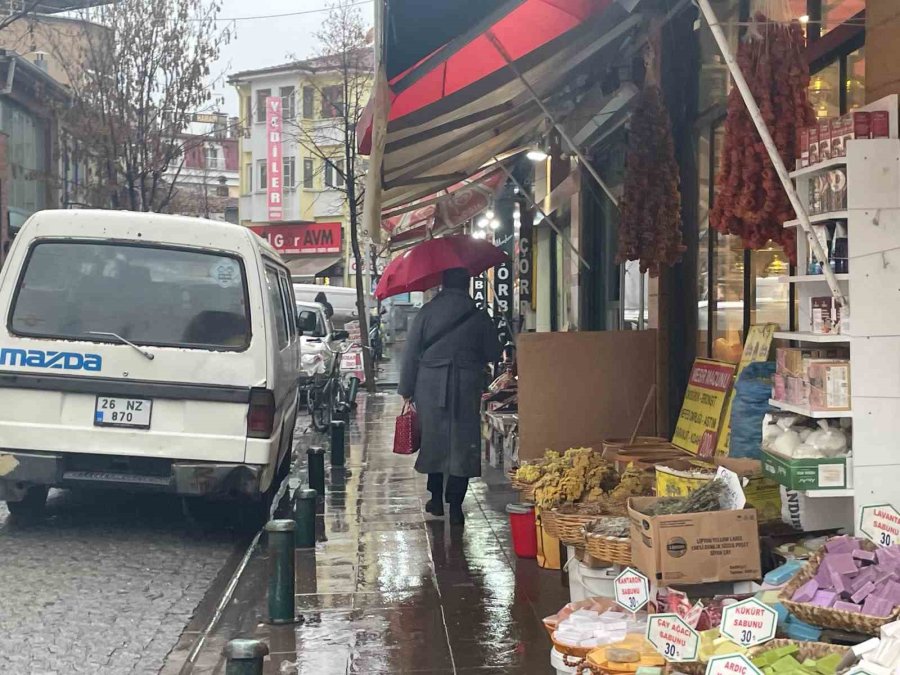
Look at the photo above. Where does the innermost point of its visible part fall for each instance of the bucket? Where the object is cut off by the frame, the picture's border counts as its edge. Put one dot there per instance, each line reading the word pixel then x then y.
pixel 556 661
pixel 524 532
pixel 589 582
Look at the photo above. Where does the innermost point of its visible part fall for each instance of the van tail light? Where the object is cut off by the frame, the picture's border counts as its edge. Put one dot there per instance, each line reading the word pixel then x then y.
pixel 261 417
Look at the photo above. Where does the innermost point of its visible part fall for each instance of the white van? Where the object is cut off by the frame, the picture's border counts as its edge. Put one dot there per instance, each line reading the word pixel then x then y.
pixel 143 351
pixel 341 298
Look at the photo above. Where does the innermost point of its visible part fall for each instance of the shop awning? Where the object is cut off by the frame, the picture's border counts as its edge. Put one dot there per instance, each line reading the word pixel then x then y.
pixel 446 123
pixel 311 266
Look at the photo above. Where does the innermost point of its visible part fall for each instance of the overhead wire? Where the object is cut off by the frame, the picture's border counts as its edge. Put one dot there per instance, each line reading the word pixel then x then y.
pixel 288 14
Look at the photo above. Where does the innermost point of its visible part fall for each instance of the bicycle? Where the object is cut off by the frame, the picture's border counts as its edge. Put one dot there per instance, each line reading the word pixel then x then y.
pixel 327 392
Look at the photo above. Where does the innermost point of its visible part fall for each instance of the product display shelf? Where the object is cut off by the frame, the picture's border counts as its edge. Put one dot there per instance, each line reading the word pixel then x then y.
pixel 846 492
pixel 811 337
pixel 806 412
pixel 820 218
pixel 812 278
pixel 818 166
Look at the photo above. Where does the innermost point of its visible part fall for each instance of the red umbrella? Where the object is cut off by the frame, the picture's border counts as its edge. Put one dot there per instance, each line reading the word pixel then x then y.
pixel 422 266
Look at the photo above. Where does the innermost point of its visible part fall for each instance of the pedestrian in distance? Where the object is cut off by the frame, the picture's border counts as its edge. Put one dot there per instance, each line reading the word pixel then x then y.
pixel 322 299
pixel 443 374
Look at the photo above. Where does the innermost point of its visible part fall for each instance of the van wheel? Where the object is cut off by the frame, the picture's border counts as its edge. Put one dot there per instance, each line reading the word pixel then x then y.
pixel 33 504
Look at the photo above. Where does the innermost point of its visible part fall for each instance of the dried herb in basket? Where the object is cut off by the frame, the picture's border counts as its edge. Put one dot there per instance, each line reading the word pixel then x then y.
pixel 705 498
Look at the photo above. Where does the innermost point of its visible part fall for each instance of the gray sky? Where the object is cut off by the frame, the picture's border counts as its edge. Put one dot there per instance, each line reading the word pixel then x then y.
pixel 266 42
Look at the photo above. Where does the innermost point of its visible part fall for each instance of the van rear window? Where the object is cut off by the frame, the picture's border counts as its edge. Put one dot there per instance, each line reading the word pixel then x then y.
pixel 148 295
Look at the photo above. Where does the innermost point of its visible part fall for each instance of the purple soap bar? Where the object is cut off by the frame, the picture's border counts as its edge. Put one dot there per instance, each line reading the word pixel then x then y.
pixel 823 576
pixel 839 583
pixel 876 606
pixel 863 593
pixel 862 554
pixel 842 544
pixel 862 579
pixel 842 563
pixel 891 591
pixel 806 592
pixel 824 598
pixel 846 606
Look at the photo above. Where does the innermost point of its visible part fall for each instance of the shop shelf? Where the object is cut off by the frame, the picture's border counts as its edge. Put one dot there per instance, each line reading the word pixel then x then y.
pixel 820 218
pixel 806 412
pixel 846 492
pixel 811 278
pixel 811 337
pixel 819 166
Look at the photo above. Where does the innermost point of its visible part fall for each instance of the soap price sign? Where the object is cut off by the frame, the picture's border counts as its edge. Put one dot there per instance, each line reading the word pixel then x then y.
pixel 881 524
pixel 732 664
pixel 632 589
pixel 672 637
pixel 749 622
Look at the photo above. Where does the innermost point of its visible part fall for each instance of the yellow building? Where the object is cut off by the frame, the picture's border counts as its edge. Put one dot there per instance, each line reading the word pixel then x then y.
pixel 313 231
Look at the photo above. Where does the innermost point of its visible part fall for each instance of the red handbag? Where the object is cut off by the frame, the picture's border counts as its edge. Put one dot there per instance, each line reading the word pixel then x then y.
pixel 407 435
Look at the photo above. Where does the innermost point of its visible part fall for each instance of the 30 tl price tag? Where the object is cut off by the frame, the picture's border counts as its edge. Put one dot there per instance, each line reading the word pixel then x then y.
pixel 673 637
pixel 749 622
pixel 733 664
pixel 632 589
pixel 881 524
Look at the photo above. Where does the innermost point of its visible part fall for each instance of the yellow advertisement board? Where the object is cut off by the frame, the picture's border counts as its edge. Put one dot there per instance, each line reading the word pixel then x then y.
pixel 701 413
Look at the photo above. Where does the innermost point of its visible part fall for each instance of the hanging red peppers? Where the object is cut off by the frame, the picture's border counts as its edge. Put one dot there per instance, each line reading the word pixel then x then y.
pixel 650 221
pixel 750 201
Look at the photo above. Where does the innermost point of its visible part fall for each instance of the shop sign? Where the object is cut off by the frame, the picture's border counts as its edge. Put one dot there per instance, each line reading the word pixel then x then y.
pixel 302 238
pixel 881 524
pixel 632 589
pixel 275 187
pixel 732 664
pixel 749 622
pixel 479 291
pixel 525 261
pixel 672 637
pixel 756 349
pixel 701 413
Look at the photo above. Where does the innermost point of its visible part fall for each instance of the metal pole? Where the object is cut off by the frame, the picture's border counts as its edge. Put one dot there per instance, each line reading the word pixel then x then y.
pixel 305 518
pixel 245 657
pixel 281 571
pixel 771 148
pixel 338 453
pixel 562 132
pixel 316 469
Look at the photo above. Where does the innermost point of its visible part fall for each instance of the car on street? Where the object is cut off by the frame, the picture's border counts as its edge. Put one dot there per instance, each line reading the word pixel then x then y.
pixel 145 352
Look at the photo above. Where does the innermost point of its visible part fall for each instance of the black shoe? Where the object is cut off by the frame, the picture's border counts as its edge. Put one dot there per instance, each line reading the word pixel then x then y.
pixel 456 515
pixel 434 508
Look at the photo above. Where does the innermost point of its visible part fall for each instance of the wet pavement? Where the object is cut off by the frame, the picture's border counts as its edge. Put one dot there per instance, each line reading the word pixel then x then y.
pixel 392 590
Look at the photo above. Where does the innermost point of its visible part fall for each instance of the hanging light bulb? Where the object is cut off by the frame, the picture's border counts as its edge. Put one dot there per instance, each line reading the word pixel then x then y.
pixel 495 224
pixel 537 154
pixel 483 222
pixel 479 234
pixel 489 214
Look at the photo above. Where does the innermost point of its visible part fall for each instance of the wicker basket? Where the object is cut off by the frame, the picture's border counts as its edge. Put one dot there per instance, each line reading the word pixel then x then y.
pixel 616 550
pixel 571 527
pixel 807 650
pixel 548 523
pixel 576 654
pixel 826 617
pixel 615 445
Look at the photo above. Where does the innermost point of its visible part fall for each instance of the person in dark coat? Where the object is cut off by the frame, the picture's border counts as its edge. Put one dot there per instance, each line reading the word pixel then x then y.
pixel 322 299
pixel 448 346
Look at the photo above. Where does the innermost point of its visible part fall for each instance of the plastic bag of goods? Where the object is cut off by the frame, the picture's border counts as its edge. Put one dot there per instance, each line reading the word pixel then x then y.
pixel 751 402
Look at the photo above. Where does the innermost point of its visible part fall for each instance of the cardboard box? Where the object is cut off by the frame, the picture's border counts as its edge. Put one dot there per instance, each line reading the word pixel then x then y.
pixel 862 124
pixel 837 137
pixel 824 140
pixel 829 384
pixel 881 124
pixel 825 315
pixel 803 148
pixel 827 473
pixel 813 145
pixel 694 548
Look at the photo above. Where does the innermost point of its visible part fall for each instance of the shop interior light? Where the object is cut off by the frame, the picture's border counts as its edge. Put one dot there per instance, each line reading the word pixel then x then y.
pixel 804 18
pixel 537 154
pixel 482 222
pixel 489 214
pixel 479 234
pixel 495 224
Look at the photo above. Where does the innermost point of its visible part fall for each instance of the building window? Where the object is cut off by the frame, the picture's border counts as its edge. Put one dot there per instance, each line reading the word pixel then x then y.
pixel 288 177
pixel 248 110
pixel 222 187
pixel 309 102
pixel 308 173
pixel 261 96
pixel 333 101
pixel 334 173
pixel 212 158
pixel 262 167
pixel 248 177
pixel 288 104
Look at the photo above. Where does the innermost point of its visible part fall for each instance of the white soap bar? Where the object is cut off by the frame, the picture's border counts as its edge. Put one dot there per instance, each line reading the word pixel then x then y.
pixel 865 647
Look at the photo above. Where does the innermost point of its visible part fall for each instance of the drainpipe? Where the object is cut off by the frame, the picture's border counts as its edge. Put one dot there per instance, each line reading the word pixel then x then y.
pixel 10 77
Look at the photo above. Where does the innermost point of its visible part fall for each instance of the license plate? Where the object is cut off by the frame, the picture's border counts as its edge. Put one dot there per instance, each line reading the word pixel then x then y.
pixel 123 412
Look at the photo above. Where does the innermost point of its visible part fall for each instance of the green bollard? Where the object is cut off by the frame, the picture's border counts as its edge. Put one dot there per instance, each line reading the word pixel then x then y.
pixel 281 571
pixel 245 657
pixel 338 439
pixel 305 518
pixel 316 469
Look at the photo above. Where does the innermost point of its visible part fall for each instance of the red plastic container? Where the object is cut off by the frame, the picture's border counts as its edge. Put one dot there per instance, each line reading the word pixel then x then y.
pixel 524 533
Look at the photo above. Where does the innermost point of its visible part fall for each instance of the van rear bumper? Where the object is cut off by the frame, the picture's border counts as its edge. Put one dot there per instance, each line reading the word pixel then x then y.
pixel 20 470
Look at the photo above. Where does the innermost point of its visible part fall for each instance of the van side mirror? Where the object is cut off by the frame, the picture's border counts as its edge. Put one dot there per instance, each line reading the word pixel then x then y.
pixel 341 335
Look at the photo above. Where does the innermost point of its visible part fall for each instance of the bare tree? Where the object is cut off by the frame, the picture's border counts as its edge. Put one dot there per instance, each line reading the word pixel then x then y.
pixel 342 75
pixel 134 90
pixel 13 10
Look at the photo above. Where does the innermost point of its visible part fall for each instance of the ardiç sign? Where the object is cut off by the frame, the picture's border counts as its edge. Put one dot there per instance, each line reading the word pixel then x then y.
pixel 274 179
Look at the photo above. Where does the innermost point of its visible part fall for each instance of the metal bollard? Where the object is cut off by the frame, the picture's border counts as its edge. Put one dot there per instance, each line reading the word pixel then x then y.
pixel 281 570
pixel 305 518
pixel 316 469
pixel 353 390
pixel 245 657
pixel 342 412
pixel 338 449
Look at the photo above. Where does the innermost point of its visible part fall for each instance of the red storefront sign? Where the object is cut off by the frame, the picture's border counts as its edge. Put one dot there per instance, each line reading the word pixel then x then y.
pixel 302 238
pixel 275 187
